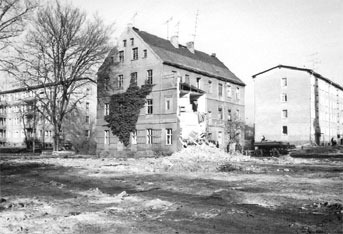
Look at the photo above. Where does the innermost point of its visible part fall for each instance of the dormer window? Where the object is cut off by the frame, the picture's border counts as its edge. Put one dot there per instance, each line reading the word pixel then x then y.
pixel 132 40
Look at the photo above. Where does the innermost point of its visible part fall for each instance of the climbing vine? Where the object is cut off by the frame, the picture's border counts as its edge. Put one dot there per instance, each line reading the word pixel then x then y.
pixel 124 110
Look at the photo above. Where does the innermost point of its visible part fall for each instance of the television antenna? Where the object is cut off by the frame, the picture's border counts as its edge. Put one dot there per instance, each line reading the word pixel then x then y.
pixel 167 23
pixel 133 18
pixel 196 25
pixel 177 27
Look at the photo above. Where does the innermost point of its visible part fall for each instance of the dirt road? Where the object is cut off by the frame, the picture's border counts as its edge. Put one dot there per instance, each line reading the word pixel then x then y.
pixel 92 195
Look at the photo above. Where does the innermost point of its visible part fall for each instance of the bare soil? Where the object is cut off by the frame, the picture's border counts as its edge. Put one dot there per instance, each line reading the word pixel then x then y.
pixel 104 195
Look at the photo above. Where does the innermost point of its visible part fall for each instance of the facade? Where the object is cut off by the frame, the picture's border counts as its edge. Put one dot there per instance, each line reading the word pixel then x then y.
pixel 297 105
pixel 194 93
pixel 20 119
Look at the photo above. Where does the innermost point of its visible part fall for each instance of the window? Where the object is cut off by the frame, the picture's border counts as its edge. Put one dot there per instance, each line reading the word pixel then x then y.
pixel 145 53
pixel 220 90
pixel 149 76
pixel 149 106
pixel 106 109
pixel 229 114
pixel 132 41
pixel 238 114
pixel 198 82
pixel 284 82
pixel 168 104
pixel 169 136
pixel 121 56
pixel 87 119
pixel 135 53
pixel 284 130
pixel 134 77
pixel 220 113
pixel 228 91
pixel 120 81
pixel 124 43
pixel 238 93
pixel 187 79
pixel 87 106
pixel 210 86
pixel 284 113
pixel 86 133
pixel 149 136
pixel 134 137
pixel 106 137
pixel 284 97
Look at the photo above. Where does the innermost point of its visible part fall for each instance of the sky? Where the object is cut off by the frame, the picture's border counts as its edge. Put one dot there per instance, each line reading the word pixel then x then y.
pixel 248 36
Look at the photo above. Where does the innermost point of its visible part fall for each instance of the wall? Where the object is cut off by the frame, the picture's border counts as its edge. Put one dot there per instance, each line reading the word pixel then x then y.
pixel 269 106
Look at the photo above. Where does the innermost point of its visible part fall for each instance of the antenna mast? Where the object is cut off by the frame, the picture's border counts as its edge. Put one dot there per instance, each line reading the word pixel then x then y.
pixel 167 22
pixel 133 18
pixel 177 26
pixel 196 25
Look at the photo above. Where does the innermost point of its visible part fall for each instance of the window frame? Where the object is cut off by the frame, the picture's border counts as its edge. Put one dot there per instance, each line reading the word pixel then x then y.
pixel 284 130
pixel 284 97
pixel 121 56
pixel 149 136
pixel 284 113
pixel 149 76
pixel 135 53
pixel 120 81
pixel 106 137
pixel 149 106
pixel 106 109
pixel 169 136
pixel 134 75
pixel 284 82
pixel 220 90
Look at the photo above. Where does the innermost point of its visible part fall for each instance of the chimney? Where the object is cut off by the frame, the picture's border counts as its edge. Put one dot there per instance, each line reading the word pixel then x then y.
pixel 213 55
pixel 190 46
pixel 175 41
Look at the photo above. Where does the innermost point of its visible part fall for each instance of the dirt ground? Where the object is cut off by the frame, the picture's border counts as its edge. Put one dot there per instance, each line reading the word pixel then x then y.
pixel 170 195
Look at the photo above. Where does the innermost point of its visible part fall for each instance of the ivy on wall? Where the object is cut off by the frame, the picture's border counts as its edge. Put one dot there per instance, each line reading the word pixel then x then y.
pixel 124 110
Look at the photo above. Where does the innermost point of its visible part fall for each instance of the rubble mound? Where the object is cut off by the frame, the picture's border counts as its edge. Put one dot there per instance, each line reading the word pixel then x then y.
pixel 199 158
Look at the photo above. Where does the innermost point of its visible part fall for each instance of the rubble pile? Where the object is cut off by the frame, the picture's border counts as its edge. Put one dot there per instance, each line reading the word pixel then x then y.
pixel 199 158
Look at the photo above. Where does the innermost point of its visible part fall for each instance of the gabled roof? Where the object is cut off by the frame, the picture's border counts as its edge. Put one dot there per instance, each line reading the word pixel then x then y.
pixel 310 71
pixel 181 57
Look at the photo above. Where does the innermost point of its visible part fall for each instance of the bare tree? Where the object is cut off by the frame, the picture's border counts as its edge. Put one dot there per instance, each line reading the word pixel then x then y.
pixel 63 47
pixel 13 14
pixel 234 128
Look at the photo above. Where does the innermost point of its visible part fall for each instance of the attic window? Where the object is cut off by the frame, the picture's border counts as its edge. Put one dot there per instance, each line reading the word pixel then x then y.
pixel 132 41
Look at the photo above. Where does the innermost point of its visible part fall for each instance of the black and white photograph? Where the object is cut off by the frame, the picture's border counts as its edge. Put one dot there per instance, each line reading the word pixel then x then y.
pixel 171 117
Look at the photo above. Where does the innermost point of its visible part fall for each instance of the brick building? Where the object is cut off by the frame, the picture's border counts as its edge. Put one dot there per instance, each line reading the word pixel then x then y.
pixel 193 93
pixel 297 105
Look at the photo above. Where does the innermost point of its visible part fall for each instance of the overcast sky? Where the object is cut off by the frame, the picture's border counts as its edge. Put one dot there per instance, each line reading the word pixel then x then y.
pixel 249 36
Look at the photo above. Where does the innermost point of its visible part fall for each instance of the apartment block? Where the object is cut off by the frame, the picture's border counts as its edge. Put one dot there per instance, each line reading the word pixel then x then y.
pixel 297 105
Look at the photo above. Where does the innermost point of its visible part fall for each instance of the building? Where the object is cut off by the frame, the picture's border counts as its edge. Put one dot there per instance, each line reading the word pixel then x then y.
pixel 297 105
pixel 194 93
pixel 21 122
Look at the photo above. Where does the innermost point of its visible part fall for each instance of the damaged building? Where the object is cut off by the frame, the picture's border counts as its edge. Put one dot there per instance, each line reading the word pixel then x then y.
pixel 194 94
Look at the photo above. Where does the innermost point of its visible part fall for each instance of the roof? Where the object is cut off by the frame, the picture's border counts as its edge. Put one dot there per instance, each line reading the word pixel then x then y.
pixel 181 57
pixel 310 71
